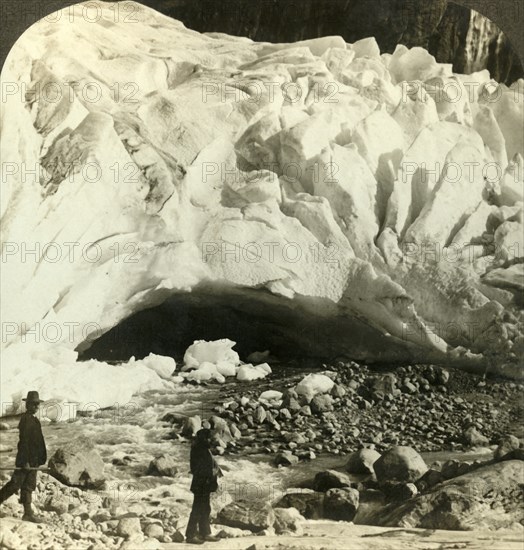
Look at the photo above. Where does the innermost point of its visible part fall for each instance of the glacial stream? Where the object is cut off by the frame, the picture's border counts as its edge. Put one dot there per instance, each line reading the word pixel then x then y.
pixel 134 434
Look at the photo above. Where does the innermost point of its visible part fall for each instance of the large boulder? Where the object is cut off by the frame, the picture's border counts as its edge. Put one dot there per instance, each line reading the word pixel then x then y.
pixel 506 445
pixel 285 458
pixel 163 465
pixel 361 461
pixel 321 404
pixel 370 500
pixel 330 479
pixel 454 468
pixel 154 531
pixel 487 498
pixel 77 463
pixel 254 515
pixel 341 504
pixel 401 464
pixel 431 478
pixel 386 384
pixel 191 426
pixel 308 502
pixel 221 429
pixel 129 527
pixel 398 492
pixel 473 438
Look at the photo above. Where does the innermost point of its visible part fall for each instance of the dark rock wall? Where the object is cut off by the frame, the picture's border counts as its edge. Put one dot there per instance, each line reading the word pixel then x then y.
pixel 437 25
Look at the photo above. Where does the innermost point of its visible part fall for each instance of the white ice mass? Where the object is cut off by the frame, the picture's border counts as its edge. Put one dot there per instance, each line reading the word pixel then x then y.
pixel 217 360
pixel 145 159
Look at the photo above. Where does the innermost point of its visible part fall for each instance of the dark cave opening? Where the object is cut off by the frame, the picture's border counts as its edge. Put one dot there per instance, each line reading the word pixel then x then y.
pixel 301 328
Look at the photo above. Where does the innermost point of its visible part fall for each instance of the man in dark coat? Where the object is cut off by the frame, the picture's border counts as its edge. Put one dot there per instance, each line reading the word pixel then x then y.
pixel 205 481
pixel 31 454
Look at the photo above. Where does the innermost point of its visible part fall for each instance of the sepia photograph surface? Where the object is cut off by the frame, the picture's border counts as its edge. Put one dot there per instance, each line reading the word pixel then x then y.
pixel 262 275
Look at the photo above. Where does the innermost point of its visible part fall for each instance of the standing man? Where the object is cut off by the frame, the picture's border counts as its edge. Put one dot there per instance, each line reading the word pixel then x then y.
pixel 31 454
pixel 205 481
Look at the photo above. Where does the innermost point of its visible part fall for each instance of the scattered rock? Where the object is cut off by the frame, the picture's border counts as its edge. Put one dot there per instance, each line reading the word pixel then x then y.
pixel 386 384
pixel 77 463
pixel 321 403
pixel 309 503
pixel 399 492
pixel 235 432
pixel 191 426
pixel 338 391
pixel 305 410
pixel 369 501
pixel 341 504
pixel 285 458
pixel 260 415
pixel 101 516
pixel 254 515
pixel 163 465
pixel 57 503
pixel 292 404
pixel 474 438
pixel 295 437
pixel 401 463
pixel 408 387
pixel 128 527
pixel 442 377
pixel 221 430
pixel 330 479
pixel 4 426
pixel 507 444
pixel 177 536
pixel 430 479
pixel 361 461
pixel 455 468
pixel 271 395
pixel 232 532
pixel 154 530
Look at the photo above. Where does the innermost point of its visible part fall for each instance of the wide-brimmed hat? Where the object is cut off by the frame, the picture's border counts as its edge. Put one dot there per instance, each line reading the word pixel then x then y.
pixel 32 397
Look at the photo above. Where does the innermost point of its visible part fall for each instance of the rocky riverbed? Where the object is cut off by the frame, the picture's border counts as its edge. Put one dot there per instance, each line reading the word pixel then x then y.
pixel 428 407
pixel 454 420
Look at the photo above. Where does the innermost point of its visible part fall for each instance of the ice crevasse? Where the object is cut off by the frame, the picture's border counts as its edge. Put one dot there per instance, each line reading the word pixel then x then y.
pixel 144 160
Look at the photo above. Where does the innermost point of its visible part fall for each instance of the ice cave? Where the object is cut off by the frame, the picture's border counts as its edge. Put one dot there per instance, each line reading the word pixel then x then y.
pixel 316 198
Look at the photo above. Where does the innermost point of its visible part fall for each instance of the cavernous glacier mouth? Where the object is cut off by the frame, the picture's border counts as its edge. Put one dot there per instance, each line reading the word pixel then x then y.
pixel 316 196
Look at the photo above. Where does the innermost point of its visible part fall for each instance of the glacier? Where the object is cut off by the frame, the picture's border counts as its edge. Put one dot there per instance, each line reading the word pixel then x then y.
pixel 380 194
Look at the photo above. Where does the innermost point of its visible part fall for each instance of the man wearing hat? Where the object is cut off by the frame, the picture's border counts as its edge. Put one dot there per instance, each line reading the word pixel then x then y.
pixel 205 481
pixel 31 454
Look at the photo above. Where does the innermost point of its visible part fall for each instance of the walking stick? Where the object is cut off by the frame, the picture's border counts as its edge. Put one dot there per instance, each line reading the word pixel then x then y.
pixel 11 468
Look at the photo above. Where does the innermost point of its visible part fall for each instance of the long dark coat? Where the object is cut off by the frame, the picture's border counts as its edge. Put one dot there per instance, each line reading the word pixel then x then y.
pixel 31 445
pixel 204 470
